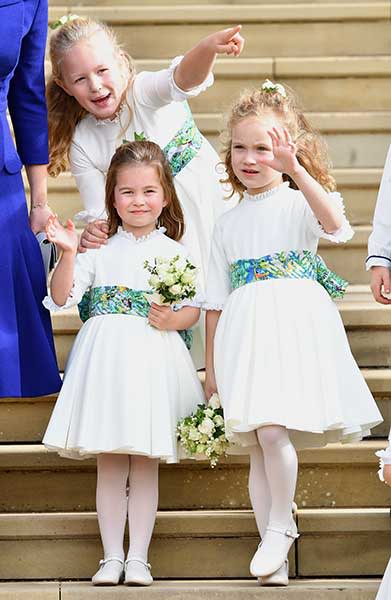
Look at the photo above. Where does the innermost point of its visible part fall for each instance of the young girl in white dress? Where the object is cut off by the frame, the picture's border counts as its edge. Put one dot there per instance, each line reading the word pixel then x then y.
pixel 96 99
pixel 276 349
pixel 129 376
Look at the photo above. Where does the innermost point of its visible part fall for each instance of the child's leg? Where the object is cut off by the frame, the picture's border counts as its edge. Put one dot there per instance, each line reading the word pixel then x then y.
pixel 280 461
pixel 142 507
pixel 111 502
pixel 258 488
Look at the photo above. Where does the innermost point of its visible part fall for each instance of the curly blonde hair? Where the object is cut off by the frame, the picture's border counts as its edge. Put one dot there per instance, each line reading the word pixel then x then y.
pixel 312 152
pixel 132 154
pixel 64 112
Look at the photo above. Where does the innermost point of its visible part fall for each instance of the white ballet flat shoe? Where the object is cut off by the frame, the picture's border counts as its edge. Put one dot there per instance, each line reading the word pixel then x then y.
pixel 273 550
pixel 278 578
pixel 110 572
pixel 137 572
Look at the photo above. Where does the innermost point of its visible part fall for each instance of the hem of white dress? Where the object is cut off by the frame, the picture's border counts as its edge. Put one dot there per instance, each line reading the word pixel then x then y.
pixel 239 436
pixel 86 453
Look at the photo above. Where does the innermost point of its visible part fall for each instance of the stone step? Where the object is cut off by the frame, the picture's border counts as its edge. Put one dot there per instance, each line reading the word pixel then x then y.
pixel 67 545
pixel 339 28
pixel 35 480
pixel 359 188
pixel 310 589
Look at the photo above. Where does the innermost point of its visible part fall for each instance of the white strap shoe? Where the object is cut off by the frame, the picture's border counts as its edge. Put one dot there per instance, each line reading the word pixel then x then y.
pixel 278 578
pixel 110 571
pixel 137 572
pixel 273 550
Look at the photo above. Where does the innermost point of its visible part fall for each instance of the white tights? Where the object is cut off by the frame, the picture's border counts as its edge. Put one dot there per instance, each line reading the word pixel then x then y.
pixel 272 478
pixel 112 504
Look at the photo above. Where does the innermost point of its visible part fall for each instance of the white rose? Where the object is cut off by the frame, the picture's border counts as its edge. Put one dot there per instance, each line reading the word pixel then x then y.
pixel 162 270
pixel 175 289
pixel 188 277
pixel 209 412
pixel 154 281
pixel 219 421
pixel 207 426
pixel 214 401
pixel 194 435
pixel 169 279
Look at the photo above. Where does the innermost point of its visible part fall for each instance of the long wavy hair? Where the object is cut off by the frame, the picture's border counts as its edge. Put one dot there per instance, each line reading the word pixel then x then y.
pixel 147 153
pixel 64 112
pixel 312 152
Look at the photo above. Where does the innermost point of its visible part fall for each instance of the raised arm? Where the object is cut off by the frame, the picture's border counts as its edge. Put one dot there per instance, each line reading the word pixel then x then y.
pixel 66 239
pixel 198 62
pixel 284 160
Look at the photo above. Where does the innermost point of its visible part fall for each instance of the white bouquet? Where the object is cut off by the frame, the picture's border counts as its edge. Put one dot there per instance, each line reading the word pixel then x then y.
pixel 203 432
pixel 173 280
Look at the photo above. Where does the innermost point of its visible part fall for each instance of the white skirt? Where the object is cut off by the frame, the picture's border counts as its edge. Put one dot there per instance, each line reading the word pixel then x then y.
pixel 282 357
pixel 126 386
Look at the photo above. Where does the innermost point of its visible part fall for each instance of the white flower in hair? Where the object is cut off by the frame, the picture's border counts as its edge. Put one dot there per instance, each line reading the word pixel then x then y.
pixel 269 86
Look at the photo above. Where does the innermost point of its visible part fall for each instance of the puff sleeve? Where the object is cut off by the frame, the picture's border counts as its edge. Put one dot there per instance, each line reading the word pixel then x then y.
pixel 343 234
pixel 83 278
pixel 218 286
pixel 158 88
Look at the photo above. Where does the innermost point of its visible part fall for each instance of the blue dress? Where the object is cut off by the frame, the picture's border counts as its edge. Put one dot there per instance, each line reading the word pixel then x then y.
pixel 27 359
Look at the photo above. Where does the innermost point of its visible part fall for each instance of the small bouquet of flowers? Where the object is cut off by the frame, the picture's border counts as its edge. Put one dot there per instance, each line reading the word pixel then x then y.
pixel 202 434
pixel 173 280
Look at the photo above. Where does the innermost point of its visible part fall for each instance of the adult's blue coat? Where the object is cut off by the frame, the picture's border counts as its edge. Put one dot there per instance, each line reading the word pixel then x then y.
pixel 27 360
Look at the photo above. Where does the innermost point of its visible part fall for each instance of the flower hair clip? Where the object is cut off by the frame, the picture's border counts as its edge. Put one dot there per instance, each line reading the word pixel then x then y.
pixel 273 88
pixel 63 20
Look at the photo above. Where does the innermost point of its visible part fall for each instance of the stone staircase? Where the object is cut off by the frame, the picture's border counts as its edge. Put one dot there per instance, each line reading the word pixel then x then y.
pixel 338 58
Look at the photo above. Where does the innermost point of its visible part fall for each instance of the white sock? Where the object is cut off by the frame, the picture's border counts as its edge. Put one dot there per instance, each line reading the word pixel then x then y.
pixel 142 505
pixel 258 488
pixel 111 502
pixel 280 460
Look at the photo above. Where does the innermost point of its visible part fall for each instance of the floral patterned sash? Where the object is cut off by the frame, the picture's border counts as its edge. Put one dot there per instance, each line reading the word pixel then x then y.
pixel 184 145
pixel 120 300
pixel 288 265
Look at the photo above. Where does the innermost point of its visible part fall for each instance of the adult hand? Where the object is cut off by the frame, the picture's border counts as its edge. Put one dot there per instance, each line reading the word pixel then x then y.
pixel 380 284
pixel 39 217
pixel 94 236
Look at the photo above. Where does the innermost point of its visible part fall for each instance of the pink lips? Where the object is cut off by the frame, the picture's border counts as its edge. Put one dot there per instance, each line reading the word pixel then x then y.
pixel 102 99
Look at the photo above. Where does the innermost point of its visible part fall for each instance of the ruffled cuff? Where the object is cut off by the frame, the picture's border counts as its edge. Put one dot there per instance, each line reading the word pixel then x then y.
pixel 179 95
pixel 213 306
pixel 345 232
pixel 49 303
pixel 89 216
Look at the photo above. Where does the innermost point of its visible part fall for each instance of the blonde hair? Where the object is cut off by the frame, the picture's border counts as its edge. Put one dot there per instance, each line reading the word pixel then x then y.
pixel 312 151
pixel 64 112
pixel 132 154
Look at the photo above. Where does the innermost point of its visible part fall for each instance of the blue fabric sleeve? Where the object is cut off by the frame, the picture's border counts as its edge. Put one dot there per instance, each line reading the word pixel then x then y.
pixel 26 97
